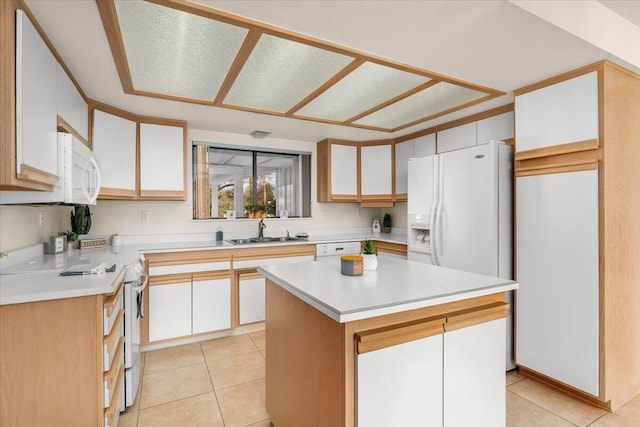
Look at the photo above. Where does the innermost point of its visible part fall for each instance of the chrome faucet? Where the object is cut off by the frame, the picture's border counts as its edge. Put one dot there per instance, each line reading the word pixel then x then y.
pixel 261 227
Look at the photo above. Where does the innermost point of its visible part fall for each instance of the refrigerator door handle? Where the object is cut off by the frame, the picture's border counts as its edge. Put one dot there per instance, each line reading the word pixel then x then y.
pixel 438 218
pixel 432 217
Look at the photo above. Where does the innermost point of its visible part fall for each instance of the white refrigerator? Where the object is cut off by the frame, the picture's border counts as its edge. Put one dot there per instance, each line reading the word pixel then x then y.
pixel 460 213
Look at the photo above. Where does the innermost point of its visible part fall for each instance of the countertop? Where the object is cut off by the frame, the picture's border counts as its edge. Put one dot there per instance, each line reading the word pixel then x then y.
pixel 397 285
pixel 37 278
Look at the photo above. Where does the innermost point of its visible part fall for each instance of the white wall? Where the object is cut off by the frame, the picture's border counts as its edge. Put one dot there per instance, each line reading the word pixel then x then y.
pixel 124 217
pixel 20 225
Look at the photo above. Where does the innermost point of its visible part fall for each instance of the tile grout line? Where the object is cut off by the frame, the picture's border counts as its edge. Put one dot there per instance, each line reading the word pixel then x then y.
pixel 212 386
pixel 544 409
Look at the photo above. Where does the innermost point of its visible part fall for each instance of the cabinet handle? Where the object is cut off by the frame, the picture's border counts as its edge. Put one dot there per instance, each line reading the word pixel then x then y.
pixel 473 316
pixel 387 336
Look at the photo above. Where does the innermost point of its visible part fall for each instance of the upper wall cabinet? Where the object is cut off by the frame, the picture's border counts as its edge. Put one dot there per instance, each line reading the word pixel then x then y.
pixel 35 147
pixel 156 173
pixel 163 161
pixel 562 113
pixel 73 112
pixel 337 171
pixel 376 172
pixel 456 138
pixel 495 128
pixel 114 144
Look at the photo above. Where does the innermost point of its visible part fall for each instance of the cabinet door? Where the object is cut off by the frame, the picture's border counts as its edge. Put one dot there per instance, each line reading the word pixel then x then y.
pixel 36 106
pixel 375 171
pixel 252 300
pixel 424 146
pixel 403 152
pixel 557 265
pixel 558 114
pixel 72 108
pixel 401 385
pixel 162 159
pixel 474 381
pixel 344 169
pixel 114 144
pixel 169 311
pixel 456 138
pixel 211 305
pixel 496 128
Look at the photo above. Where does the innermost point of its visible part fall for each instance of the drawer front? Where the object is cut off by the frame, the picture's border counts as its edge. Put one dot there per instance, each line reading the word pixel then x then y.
pixel 112 412
pixel 252 263
pixel 110 384
pixel 110 309
pixel 188 268
pixel 111 376
pixel 110 344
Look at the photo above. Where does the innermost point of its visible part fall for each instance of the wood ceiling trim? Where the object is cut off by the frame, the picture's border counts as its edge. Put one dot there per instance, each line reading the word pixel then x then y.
pixel 247 47
pixel 400 97
pixel 444 112
pixel 109 17
pixel 171 97
pixel 326 85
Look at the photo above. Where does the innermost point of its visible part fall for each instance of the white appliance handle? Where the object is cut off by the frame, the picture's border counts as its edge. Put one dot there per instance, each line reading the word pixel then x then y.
pixel 432 217
pixel 438 219
pixel 93 197
pixel 140 288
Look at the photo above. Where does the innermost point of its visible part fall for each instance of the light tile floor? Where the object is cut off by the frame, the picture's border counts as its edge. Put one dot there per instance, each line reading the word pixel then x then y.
pixel 220 383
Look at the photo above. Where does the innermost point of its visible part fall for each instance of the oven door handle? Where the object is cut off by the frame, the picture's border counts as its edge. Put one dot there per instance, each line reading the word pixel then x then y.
pixel 139 289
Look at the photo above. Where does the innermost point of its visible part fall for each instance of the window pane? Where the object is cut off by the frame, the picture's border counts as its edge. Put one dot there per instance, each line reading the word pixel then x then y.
pixel 278 183
pixel 250 183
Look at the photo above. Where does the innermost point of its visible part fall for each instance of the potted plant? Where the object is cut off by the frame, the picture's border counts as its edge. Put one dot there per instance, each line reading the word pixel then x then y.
pixel 81 219
pixel 386 223
pixel 261 211
pixel 71 238
pixel 369 256
pixel 251 210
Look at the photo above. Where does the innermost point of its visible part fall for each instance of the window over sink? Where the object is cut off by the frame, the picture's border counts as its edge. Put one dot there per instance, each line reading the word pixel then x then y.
pixel 243 182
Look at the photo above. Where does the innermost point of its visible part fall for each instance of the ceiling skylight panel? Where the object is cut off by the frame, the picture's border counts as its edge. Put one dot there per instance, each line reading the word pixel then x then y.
pixel 280 73
pixel 431 101
pixel 176 53
pixel 369 85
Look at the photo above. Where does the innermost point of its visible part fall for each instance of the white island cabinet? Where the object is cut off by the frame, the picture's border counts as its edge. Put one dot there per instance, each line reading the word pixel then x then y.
pixel 391 347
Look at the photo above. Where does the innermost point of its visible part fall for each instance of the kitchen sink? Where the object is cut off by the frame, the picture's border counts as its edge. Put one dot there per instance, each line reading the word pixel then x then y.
pixel 253 240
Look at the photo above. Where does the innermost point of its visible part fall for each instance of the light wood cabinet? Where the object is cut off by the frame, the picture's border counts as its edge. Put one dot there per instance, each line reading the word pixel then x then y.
pixel 163 161
pixel 140 158
pixel 30 159
pixel 560 113
pixel 73 111
pixel 337 172
pixel 577 248
pixel 62 361
pixel 114 145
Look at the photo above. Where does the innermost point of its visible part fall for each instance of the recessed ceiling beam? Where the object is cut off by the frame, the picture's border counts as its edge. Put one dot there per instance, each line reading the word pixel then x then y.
pixel 323 88
pixel 109 17
pixel 243 55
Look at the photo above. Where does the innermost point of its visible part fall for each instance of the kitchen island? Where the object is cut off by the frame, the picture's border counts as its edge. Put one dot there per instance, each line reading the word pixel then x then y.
pixel 407 344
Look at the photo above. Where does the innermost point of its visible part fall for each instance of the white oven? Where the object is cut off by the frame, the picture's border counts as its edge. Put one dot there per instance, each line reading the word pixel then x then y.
pixel 135 282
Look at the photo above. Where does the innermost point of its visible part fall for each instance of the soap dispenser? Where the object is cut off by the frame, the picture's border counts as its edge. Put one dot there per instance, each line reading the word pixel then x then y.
pixel 375 227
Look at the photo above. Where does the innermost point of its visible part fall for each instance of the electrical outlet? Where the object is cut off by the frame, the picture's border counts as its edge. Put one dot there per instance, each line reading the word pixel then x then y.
pixel 145 216
pixel 41 218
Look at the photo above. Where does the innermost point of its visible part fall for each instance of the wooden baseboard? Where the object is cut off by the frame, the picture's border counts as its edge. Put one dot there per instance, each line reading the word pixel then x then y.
pixel 587 398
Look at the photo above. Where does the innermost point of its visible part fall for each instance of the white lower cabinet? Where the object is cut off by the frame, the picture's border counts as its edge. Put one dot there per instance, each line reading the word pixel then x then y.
pixel 401 385
pixel 474 381
pixel 252 300
pixel 169 311
pixel 211 310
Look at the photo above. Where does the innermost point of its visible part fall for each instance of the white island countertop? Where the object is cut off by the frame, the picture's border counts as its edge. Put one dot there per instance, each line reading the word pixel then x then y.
pixel 397 285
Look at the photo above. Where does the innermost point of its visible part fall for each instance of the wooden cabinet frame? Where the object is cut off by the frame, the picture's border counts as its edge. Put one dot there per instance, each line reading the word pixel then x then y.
pixel 615 155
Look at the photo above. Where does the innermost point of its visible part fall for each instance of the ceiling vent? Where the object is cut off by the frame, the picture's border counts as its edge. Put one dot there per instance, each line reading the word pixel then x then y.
pixel 260 134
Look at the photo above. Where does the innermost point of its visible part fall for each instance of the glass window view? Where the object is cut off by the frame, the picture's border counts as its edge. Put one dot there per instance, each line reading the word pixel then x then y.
pixel 242 183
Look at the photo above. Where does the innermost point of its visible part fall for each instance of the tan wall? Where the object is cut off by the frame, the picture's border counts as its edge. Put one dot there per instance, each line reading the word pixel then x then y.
pixel 19 225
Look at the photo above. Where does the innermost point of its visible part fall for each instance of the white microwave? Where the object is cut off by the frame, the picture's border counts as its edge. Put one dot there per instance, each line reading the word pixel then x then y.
pixel 80 177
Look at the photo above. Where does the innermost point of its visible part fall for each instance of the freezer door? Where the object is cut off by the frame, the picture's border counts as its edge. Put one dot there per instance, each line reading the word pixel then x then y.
pixel 467 229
